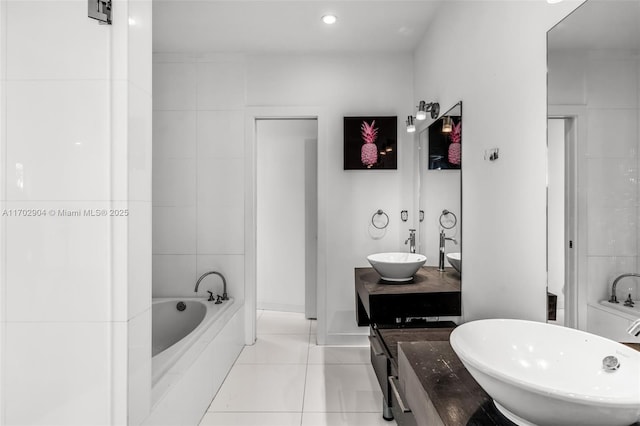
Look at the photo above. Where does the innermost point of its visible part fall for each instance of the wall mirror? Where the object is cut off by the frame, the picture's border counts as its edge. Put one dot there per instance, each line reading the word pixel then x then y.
pixel 592 140
pixel 440 186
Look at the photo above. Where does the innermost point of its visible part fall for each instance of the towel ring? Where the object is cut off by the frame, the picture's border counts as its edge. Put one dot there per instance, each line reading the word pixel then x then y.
pixel 450 224
pixel 379 213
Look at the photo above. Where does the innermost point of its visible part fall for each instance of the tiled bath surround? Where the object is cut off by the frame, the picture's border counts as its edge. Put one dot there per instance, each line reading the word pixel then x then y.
pixel 198 178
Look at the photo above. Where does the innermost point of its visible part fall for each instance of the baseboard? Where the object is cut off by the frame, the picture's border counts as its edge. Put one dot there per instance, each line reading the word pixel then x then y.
pixel 282 307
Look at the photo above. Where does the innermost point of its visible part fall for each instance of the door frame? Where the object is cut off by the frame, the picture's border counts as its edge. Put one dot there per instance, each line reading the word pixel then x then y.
pixel 253 114
pixel 575 201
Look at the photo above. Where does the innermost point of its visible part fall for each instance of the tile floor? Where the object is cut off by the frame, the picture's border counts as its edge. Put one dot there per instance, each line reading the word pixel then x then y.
pixel 285 379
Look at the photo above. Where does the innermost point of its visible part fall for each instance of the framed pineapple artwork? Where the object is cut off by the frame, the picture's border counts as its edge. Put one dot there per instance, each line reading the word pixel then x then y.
pixel 370 143
pixel 445 138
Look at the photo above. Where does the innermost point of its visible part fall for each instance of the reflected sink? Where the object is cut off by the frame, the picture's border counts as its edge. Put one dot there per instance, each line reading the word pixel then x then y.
pixel 396 267
pixel 455 261
pixel 543 374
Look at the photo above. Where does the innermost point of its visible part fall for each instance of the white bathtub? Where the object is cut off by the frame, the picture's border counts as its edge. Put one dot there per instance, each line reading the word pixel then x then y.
pixel 194 350
pixel 174 332
pixel 611 320
pixel 631 313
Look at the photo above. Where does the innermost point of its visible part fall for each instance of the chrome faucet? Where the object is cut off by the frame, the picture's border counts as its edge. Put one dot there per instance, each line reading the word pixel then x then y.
pixel 411 241
pixel 613 298
pixel 224 284
pixel 443 239
pixel 634 328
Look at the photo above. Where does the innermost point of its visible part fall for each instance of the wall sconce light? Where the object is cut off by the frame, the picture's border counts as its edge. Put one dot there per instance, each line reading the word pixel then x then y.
pixel 411 127
pixel 447 124
pixel 424 107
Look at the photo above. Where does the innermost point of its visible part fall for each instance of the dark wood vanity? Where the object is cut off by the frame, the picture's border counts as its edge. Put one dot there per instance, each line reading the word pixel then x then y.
pixel 430 294
pixel 422 380
pixel 400 313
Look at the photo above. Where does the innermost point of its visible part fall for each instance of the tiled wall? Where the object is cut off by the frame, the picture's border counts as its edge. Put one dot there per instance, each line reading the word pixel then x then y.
pixel 198 112
pixel 198 173
pixel 606 83
pixel 76 134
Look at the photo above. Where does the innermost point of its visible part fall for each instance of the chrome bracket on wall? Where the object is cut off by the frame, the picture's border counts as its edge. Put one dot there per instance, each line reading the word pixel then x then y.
pixel 100 10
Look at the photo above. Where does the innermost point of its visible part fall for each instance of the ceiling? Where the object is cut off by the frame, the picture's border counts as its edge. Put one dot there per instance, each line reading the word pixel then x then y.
pixel 293 26
pixel 599 24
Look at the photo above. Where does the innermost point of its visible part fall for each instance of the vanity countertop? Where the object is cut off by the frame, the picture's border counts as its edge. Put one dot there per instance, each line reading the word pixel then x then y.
pixel 427 280
pixel 635 346
pixel 431 293
pixel 431 371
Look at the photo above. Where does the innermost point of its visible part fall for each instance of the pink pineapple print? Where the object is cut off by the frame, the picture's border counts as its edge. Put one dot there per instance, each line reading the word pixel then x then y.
pixel 369 152
pixel 455 149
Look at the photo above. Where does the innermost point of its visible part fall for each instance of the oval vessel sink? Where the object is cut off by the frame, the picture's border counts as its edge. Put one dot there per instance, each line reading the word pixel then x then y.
pixel 548 375
pixel 396 267
pixel 455 261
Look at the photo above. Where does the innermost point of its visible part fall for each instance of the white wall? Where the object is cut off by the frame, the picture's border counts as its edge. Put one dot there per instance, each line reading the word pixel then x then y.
pixel 468 55
pixel 342 85
pixel 281 214
pixel 605 84
pixel 76 134
pixel 198 174
pixel 345 85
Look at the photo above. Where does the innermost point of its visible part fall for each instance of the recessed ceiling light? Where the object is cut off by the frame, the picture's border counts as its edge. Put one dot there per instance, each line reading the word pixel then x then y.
pixel 553 1
pixel 329 19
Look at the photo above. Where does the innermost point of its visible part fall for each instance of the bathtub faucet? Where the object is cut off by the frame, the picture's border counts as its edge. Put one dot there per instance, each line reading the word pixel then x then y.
pixel 613 298
pixel 224 283
pixel 634 328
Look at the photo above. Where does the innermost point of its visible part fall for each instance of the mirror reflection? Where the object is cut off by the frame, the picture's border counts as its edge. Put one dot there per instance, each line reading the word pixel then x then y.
pixel 593 109
pixel 439 194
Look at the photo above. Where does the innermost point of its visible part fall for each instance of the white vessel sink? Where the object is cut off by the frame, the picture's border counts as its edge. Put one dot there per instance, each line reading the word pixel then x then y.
pixel 543 374
pixel 396 267
pixel 455 261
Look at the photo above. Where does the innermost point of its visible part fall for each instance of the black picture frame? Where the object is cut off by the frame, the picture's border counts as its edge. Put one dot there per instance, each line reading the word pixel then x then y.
pixel 386 143
pixel 439 145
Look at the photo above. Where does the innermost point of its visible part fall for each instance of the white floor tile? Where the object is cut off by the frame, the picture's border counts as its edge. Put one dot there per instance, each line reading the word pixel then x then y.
pixel 251 419
pixel 314 327
pixel 271 322
pixel 344 419
pixel 341 388
pixel 286 379
pixel 339 354
pixel 276 349
pixel 252 387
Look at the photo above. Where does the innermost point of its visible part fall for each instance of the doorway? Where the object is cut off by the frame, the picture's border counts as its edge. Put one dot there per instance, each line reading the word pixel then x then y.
pixel 286 214
pixel 561 217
